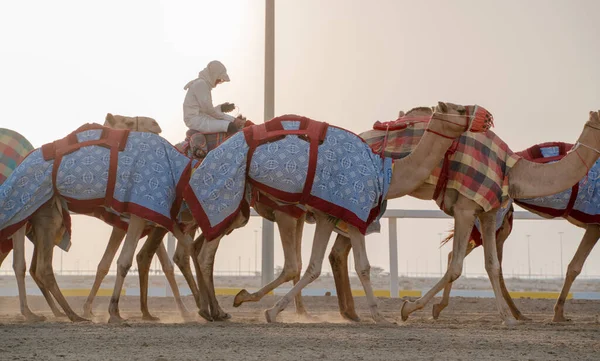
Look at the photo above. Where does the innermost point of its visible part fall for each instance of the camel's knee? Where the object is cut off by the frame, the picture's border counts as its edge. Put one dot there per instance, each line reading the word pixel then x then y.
pixel 492 268
pixel 335 259
pixel 19 268
pixel 123 268
pixel 363 272
pixel 290 273
pixel 312 273
pixel 454 272
pixel 573 271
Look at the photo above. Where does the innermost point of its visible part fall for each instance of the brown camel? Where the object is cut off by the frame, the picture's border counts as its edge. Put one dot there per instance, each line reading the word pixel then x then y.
pixel 526 180
pixel 44 255
pixel 589 240
pixel 142 124
pixel 450 124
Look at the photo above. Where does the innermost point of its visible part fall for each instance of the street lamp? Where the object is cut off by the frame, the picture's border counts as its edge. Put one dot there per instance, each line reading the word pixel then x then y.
pixel 255 251
pixel 528 255
pixel 562 270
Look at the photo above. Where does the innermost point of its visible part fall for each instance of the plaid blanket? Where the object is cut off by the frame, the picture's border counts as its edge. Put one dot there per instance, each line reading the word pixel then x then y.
pixel 150 176
pixel 350 181
pixel 478 162
pixel 13 149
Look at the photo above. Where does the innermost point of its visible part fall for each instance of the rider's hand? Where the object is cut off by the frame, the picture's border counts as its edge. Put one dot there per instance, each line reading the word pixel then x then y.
pixel 227 107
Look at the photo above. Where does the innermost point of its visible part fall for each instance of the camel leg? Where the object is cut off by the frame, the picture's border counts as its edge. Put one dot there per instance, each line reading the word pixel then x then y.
pixel 363 270
pixel 287 226
pixel 338 258
pixel 300 308
pixel 464 221
pixel 144 261
pixel 203 300
pixel 438 307
pixel 47 223
pixel 116 237
pixel 321 238
pixel 169 272
pixel 32 272
pixel 19 267
pixel 206 261
pixel 588 242
pixel 134 232
pixel 502 236
pixel 492 265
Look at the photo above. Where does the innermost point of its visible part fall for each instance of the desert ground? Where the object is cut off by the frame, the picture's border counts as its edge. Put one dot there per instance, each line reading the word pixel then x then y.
pixel 469 329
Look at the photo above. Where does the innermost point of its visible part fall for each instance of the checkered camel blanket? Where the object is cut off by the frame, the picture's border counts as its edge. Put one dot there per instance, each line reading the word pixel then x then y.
pixel 478 162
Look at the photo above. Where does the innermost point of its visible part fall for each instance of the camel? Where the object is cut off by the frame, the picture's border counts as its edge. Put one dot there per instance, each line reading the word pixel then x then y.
pixel 136 124
pixel 577 218
pixel 45 239
pixel 442 130
pixel 526 179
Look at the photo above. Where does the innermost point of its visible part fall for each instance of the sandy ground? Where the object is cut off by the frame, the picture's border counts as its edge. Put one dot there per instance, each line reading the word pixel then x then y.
pixel 470 329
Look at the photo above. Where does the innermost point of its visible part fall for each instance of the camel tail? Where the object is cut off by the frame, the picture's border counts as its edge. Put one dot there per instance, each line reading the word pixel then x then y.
pixel 448 238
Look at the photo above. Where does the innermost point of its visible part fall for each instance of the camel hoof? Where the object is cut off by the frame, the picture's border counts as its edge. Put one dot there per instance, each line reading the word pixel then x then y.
pixel 523 318
pixel 560 319
pixel 222 317
pixel 149 317
pixel 350 316
pixel 403 312
pixel 116 319
pixel 240 298
pixel 32 317
pixel 510 322
pixel 77 318
pixel 270 315
pixel 437 309
pixel 205 315
pixel 88 314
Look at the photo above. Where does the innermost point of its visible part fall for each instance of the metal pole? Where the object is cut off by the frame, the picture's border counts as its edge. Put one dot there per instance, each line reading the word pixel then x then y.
pixel 255 251
pixel 170 252
pixel 562 275
pixel 61 256
pixel 393 257
pixel 440 253
pixel 528 255
pixel 268 253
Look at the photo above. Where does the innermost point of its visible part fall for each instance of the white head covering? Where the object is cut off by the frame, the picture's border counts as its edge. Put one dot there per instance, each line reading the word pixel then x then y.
pixel 214 71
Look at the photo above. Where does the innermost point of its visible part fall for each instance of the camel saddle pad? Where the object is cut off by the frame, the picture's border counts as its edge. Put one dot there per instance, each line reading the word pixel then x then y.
pixel 149 176
pixel 478 162
pixel 348 180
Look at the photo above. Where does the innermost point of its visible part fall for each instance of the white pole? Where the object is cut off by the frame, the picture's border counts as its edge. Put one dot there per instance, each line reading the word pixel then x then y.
pixel 440 246
pixel 528 256
pixel 170 252
pixel 393 257
pixel 268 253
pixel 562 270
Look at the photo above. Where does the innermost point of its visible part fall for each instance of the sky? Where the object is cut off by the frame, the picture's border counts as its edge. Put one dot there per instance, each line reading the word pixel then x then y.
pixel 533 64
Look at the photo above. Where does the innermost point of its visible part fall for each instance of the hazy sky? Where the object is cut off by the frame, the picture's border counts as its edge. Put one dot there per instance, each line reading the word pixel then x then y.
pixel 533 64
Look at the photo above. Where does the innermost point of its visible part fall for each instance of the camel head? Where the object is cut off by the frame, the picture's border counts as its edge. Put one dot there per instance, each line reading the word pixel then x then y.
pixel 591 131
pixel 138 124
pixel 451 120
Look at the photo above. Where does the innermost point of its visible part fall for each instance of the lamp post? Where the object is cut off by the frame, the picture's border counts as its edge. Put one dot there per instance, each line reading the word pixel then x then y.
pixel 528 255
pixel 562 270
pixel 255 251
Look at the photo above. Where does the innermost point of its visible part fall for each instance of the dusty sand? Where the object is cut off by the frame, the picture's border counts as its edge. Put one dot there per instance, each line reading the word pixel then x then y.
pixel 470 329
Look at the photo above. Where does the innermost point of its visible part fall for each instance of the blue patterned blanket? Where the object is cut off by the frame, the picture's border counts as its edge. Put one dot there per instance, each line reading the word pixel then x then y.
pixel 150 177
pixel 350 182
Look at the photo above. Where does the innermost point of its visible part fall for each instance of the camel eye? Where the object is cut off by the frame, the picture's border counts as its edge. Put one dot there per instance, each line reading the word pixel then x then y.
pixel 462 111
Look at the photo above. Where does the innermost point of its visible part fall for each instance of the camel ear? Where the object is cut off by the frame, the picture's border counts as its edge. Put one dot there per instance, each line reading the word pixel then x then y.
pixel 110 119
pixel 443 107
pixel 401 114
pixel 594 116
